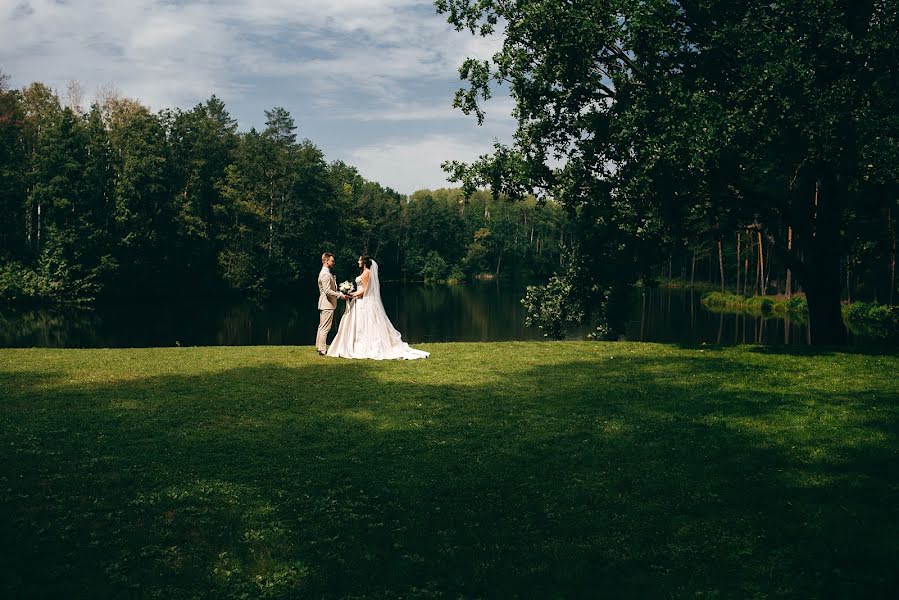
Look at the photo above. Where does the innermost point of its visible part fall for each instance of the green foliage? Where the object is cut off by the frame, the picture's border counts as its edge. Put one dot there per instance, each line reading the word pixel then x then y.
pixel 132 203
pixel 797 304
pixel 434 268
pixel 553 306
pixel 456 275
pixel 757 305
pixel 666 125
pixel 52 280
pixel 873 320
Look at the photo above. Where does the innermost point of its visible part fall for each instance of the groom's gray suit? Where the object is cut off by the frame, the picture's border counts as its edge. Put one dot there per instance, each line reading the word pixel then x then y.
pixel 327 302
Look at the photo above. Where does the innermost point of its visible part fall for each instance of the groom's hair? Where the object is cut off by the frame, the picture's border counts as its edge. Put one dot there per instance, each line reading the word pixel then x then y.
pixel 326 256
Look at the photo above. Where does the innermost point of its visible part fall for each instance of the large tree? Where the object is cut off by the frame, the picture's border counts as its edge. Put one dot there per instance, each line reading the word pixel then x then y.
pixel 637 114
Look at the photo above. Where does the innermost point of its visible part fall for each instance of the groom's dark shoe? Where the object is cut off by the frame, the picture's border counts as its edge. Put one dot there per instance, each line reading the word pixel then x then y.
pixel 320 353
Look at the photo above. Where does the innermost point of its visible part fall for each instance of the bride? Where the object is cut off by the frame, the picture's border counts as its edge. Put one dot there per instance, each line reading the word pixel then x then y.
pixel 365 331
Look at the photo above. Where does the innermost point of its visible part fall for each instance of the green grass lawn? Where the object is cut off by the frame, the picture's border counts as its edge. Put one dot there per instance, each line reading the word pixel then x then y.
pixel 489 470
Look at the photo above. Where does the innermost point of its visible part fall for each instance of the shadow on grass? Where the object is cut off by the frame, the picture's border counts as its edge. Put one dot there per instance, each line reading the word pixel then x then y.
pixel 872 349
pixel 630 476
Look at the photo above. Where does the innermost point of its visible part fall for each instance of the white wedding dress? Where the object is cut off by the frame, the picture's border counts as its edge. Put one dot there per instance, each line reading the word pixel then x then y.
pixel 366 332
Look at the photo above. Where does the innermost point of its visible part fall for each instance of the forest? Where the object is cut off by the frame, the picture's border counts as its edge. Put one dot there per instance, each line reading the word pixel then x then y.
pixel 753 144
pixel 117 202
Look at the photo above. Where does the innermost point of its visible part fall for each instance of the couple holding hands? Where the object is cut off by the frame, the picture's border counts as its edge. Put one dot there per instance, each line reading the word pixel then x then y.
pixel 364 330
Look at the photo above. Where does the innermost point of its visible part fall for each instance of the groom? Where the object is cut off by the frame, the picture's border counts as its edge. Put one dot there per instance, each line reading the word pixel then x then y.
pixel 327 302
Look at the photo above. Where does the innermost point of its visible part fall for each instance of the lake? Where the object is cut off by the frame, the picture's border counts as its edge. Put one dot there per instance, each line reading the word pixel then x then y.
pixel 477 312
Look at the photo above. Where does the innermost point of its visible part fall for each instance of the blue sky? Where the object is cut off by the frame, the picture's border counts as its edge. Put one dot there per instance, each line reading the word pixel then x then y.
pixel 369 81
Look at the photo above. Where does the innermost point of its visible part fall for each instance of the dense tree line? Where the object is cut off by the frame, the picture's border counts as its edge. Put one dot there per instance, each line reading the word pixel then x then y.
pixel 117 201
pixel 672 126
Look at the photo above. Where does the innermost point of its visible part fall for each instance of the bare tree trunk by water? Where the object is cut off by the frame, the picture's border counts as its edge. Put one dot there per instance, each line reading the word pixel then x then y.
pixel 892 254
pixel 642 313
pixel 721 264
pixel 693 270
pixel 761 268
pixel 271 218
pixel 789 284
pixel 738 263
pixel 758 266
pixel 821 277
pixel 746 262
pixel 848 281
pixel 692 312
pixel 736 324
pixel 767 267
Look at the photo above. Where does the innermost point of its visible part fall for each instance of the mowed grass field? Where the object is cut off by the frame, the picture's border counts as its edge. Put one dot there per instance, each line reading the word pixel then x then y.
pixel 496 470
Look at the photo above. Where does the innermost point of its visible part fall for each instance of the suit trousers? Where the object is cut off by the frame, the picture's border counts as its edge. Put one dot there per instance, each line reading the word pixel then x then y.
pixel 325 321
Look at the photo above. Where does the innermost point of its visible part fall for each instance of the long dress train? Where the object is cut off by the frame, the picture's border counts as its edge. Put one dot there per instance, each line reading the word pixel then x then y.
pixel 366 332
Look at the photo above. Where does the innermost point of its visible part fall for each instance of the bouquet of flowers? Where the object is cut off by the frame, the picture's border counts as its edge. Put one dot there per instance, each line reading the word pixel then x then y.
pixel 346 287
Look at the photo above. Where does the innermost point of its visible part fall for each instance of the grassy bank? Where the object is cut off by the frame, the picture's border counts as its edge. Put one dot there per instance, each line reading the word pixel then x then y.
pixel 679 284
pixel 868 319
pixel 756 305
pixel 489 470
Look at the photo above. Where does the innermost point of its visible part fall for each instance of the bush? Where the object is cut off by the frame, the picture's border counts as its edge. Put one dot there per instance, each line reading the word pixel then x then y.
pixel 456 275
pixel 764 305
pixel 53 280
pixel 552 306
pixel 873 320
pixel 434 268
pixel 797 304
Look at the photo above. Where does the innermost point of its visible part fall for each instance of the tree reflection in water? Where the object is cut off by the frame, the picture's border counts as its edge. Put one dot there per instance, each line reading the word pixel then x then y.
pixel 476 312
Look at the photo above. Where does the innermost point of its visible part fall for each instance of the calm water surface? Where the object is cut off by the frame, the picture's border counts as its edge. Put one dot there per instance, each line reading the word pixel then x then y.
pixel 422 313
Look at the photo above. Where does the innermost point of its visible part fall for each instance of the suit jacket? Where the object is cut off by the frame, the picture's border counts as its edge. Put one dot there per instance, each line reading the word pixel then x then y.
pixel 327 290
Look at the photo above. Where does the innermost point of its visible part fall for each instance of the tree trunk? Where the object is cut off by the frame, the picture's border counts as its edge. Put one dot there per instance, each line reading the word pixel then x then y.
pixel 738 263
pixel 271 217
pixel 758 266
pixel 761 268
pixel 746 262
pixel 822 283
pixel 693 270
pixel 721 264
pixel 892 254
pixel 848 281
pixel 789 284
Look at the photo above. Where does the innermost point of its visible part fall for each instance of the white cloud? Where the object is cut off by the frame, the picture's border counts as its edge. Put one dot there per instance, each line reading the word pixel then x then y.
pixel 370 62
pixel 407 165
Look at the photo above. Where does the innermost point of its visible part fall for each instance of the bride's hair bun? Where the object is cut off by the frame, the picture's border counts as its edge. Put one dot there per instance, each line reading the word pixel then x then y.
pixel 366 260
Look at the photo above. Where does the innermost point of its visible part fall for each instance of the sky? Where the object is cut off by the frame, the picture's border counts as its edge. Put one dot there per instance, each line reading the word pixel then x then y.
pixel 370 82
